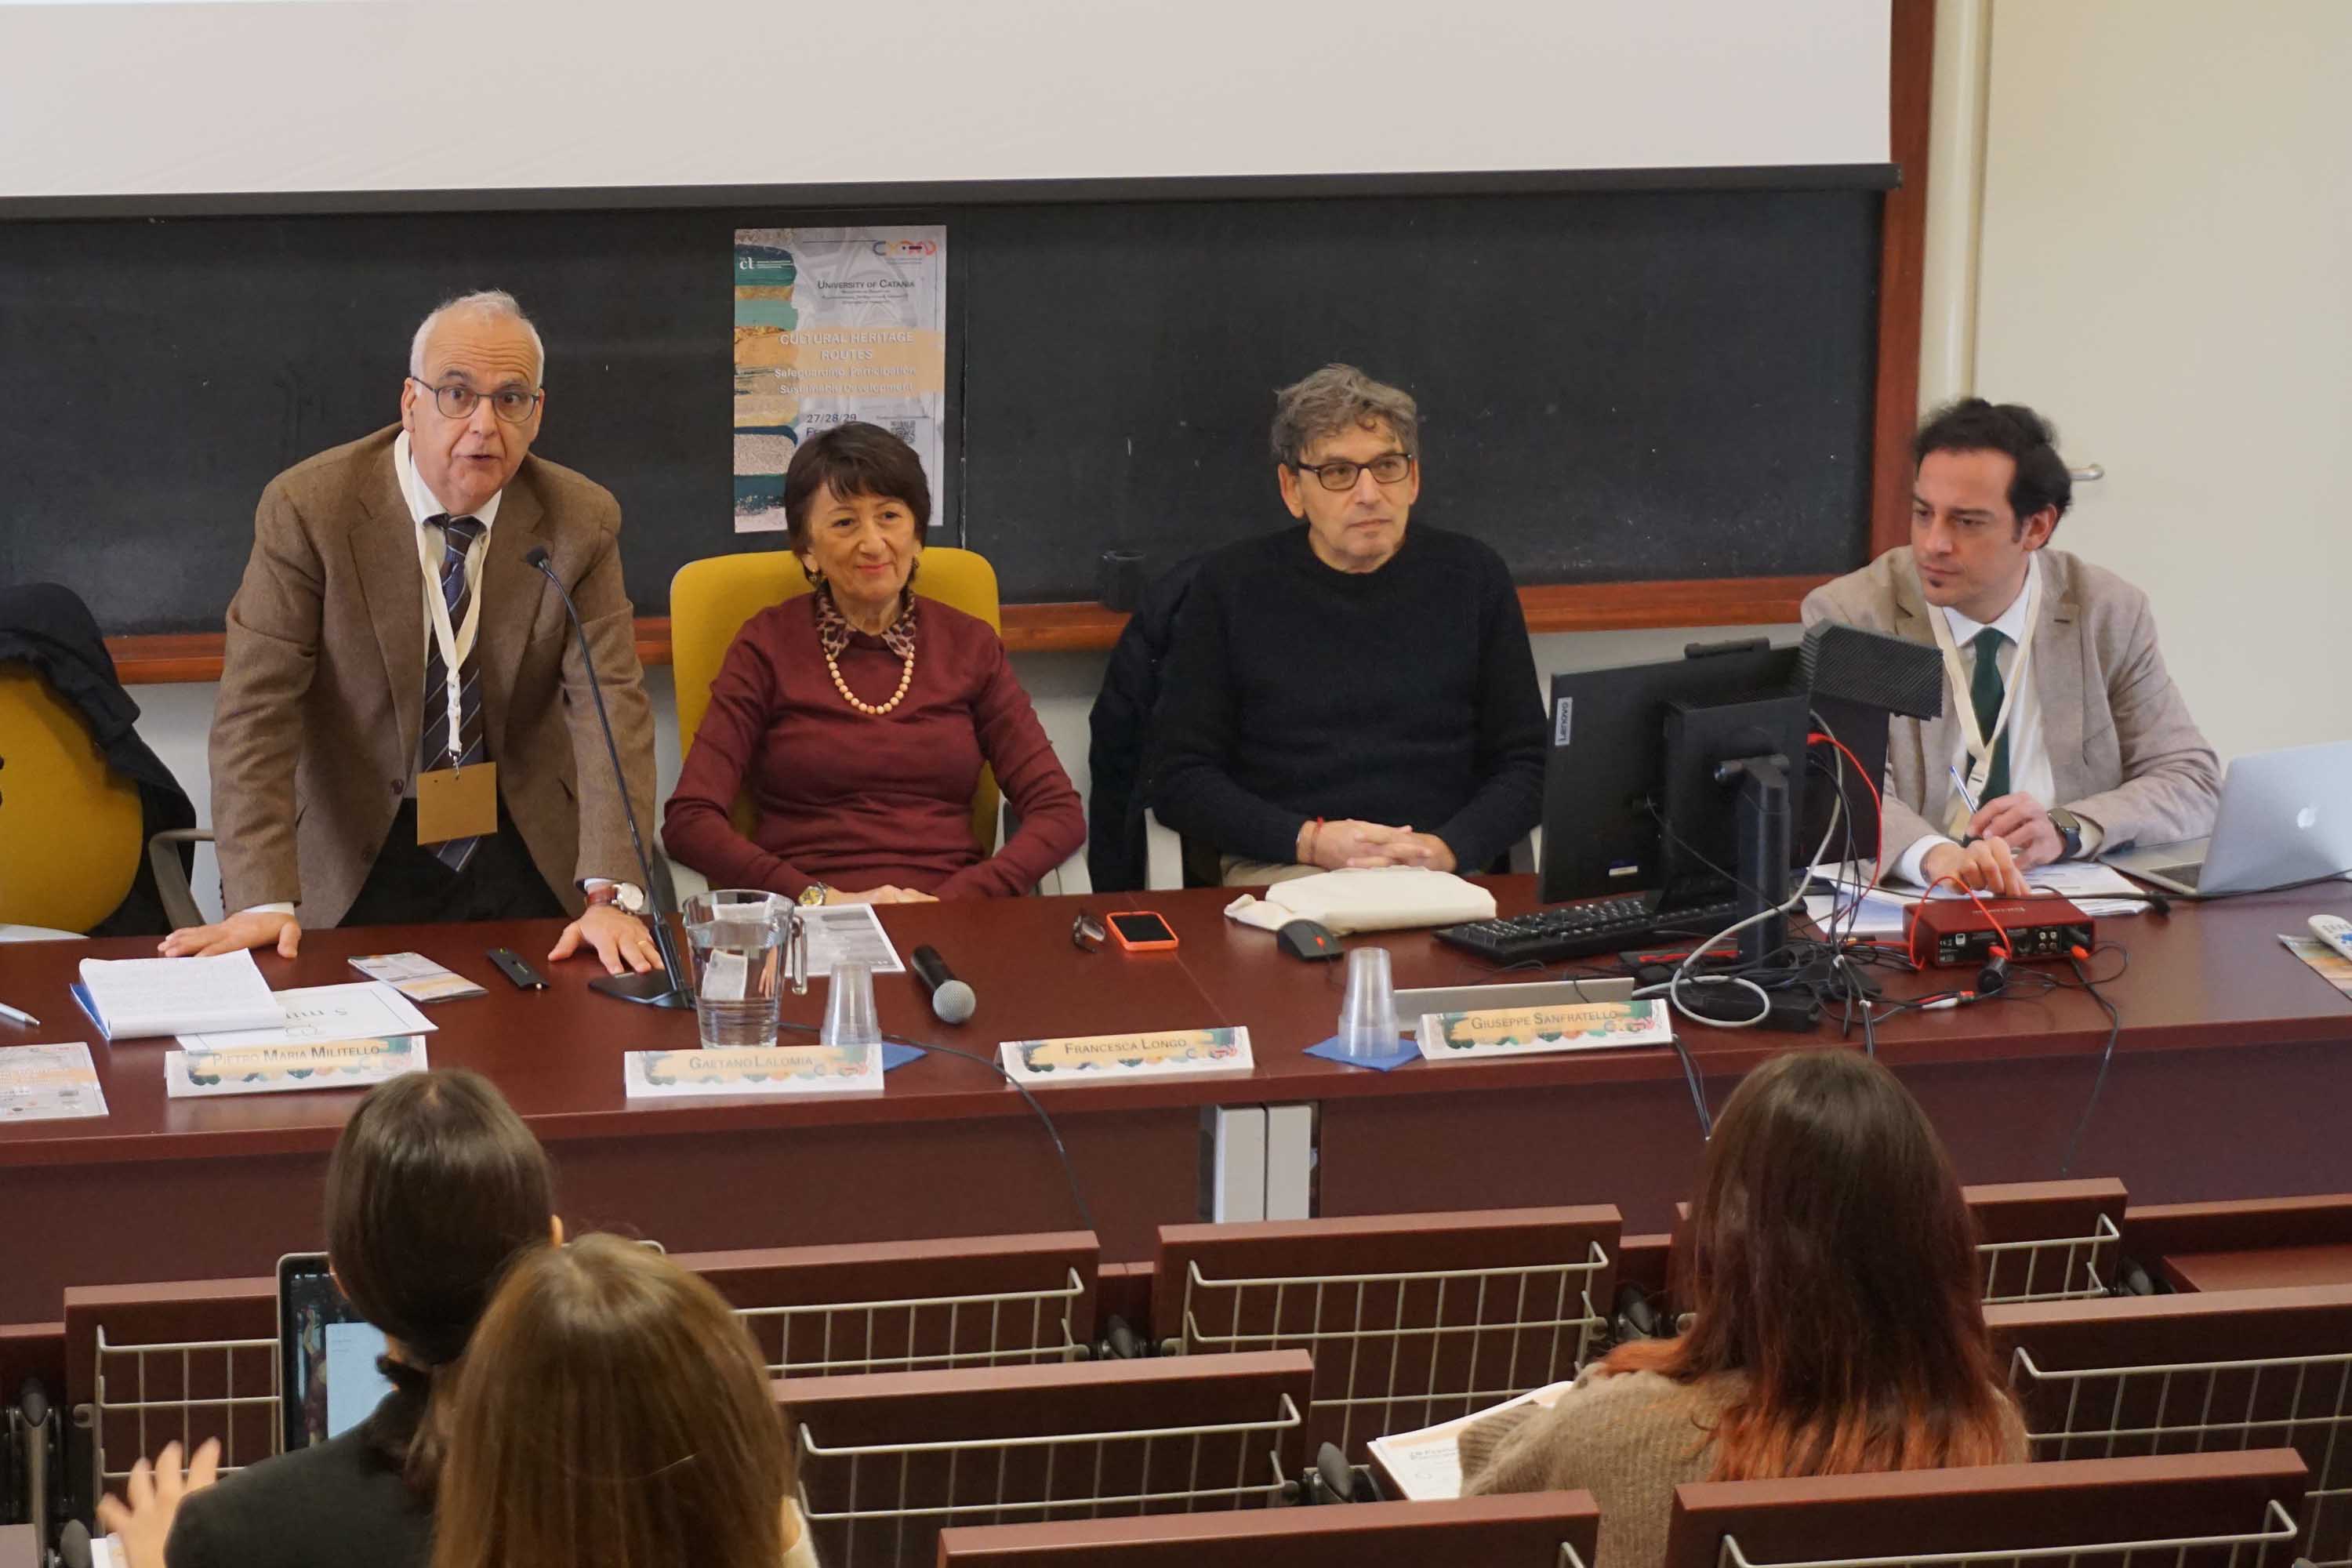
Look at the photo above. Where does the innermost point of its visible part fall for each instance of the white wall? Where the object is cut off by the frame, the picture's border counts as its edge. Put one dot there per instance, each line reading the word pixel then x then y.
pixel 175 720
pixel 390 95
pixel 2161 267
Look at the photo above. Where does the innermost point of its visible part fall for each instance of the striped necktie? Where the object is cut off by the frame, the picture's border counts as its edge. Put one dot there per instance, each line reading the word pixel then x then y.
pixel 1985 691
pixel 470 746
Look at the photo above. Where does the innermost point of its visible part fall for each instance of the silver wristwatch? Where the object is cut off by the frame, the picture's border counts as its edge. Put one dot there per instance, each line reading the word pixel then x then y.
pixel 627 897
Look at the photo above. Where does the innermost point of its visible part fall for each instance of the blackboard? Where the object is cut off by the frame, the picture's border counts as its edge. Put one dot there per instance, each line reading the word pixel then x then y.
pixel 1616 385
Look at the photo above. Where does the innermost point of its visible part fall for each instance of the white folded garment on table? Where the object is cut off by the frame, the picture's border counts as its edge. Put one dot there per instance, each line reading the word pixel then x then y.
pixel 1372 898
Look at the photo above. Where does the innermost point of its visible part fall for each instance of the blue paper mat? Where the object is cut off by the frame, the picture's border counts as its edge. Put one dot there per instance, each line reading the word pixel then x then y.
pixel 1330 1051
pixel 899 1056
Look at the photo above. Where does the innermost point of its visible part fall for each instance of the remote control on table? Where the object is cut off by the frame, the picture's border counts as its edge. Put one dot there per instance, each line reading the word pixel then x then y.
pixel 2335 930
pixel 512 965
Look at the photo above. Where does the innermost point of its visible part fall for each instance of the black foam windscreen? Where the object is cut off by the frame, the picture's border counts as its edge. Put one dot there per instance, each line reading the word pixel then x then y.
pixel 1873 670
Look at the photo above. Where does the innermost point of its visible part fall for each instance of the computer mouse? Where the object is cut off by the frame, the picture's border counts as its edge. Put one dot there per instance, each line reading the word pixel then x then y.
pixel 1307 940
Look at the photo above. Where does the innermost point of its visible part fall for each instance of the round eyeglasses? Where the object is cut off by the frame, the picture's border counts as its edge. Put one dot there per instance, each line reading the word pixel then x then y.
pixel 1388 468
pixel 456 401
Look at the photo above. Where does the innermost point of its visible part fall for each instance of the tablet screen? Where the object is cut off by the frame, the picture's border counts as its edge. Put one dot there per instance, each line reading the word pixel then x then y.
pixel 328 1381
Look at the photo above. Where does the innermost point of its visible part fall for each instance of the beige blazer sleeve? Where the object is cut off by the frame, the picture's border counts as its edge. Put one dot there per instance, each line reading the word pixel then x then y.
pixel 2171 779
pixel 269 657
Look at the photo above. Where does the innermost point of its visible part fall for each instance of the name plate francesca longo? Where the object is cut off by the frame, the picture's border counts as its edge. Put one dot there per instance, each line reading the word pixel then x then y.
pixel 1108 1059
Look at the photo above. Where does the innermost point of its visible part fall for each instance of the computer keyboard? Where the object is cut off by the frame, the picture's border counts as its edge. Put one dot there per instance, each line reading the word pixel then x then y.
pixel 1584 928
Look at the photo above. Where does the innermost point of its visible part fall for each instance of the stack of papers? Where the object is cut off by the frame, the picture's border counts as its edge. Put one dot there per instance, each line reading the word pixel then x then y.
pixel 128 998
pixel 363 1010
pixel 2101 891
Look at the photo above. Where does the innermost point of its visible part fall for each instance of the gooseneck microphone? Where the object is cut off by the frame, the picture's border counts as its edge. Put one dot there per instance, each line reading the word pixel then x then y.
pixel 667 986
pixel 951 1000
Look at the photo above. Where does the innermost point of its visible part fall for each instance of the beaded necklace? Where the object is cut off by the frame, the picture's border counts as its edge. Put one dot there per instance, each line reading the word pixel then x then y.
pixel 833 631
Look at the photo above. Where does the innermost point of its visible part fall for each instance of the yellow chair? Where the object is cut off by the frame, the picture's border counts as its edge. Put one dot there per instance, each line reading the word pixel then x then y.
pixel 710 600
pixel 71 829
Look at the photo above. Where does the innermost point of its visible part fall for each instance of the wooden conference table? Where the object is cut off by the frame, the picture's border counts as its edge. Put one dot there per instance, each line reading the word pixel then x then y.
pixel 2232 1078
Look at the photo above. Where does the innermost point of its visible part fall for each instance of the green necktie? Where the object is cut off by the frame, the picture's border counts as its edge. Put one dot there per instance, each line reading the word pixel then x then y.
pixel 1985 690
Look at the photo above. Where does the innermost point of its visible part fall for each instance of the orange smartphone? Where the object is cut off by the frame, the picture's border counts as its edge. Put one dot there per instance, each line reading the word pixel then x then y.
pixel 1140 930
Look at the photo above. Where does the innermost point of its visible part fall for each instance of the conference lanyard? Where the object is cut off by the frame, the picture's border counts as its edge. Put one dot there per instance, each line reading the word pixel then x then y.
pixel 452 640
pixel 1980 745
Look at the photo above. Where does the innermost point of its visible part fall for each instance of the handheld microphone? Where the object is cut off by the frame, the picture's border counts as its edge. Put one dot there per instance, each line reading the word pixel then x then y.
pixel 951 1000
pixel 667 986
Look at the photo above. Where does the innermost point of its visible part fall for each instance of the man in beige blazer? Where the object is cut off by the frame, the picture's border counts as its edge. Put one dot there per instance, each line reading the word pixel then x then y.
pixel 2094 747
pixel 325 723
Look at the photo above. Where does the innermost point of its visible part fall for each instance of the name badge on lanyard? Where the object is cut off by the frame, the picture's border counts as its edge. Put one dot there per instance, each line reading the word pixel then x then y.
pixel 1980 745
pixel 453 802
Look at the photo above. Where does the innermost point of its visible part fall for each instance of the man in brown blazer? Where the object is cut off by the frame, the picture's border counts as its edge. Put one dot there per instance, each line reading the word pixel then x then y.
pixel 2071 737
pixel 391 637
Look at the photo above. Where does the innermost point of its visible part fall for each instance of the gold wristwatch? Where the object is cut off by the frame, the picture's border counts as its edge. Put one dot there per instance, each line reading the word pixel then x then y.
pixel 814 894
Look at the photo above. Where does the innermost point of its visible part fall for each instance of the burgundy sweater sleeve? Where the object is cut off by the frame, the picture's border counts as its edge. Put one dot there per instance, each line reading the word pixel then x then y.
pixel 697 831
pixel 1053 821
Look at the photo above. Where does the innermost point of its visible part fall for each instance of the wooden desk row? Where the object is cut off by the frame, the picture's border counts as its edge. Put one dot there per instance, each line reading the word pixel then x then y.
pixel 2229 1071
pixel 2220 1504
pixel 1231 1421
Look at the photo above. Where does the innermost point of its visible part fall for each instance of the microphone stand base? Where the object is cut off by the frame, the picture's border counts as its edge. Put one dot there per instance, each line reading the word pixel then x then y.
pixel 652 989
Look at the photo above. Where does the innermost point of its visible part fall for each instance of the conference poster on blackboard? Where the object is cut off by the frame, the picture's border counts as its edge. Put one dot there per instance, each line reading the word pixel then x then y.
pixel 832 325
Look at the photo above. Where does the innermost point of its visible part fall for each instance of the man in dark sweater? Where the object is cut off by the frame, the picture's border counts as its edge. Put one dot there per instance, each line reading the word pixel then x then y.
pixel 1350 692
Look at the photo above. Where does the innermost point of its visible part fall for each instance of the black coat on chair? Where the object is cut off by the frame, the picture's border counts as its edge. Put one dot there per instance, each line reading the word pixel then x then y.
pixel 1121 726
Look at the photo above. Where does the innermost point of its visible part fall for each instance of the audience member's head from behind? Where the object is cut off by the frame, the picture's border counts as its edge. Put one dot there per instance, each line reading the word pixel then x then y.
pixel 856 501
pixel 434 1186
pixel 1833 1266
pixel 614 1413
pixel 1346 453
pixel 473 397
pixel 1989 491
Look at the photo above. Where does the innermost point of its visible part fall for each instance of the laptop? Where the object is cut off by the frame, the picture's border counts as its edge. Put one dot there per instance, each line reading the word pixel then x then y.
pixel 2285 817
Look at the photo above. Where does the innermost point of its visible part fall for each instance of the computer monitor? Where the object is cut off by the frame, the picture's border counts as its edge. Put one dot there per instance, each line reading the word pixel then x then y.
pixel 1652 767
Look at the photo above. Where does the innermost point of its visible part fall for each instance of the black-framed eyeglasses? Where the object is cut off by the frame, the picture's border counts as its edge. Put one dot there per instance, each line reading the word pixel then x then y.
pixel 456 400
pixel 1388 468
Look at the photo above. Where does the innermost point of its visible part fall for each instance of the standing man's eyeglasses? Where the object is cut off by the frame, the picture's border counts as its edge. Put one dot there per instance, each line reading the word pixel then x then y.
pixel 1388 468
pixel 511 404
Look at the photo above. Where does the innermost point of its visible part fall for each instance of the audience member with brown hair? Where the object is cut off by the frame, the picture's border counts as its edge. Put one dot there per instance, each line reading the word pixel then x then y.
pixel 1836 1324
pixel 434 1186
pixel 614 1414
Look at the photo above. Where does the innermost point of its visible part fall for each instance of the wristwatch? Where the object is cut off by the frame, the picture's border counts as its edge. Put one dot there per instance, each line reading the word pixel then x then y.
pixel 814 894
pixel 2070 833
pixel 627 897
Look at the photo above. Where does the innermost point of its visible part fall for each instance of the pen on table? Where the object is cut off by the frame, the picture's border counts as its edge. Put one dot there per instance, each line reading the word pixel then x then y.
pixel 20 1016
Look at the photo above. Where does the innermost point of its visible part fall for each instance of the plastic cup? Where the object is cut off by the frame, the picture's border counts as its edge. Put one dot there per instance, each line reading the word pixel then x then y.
pixel 1367 1017
pixel 736 938
pixel 849 1018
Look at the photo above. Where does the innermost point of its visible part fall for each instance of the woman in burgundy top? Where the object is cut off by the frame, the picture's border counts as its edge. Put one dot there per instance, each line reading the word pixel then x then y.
pixel 860 716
